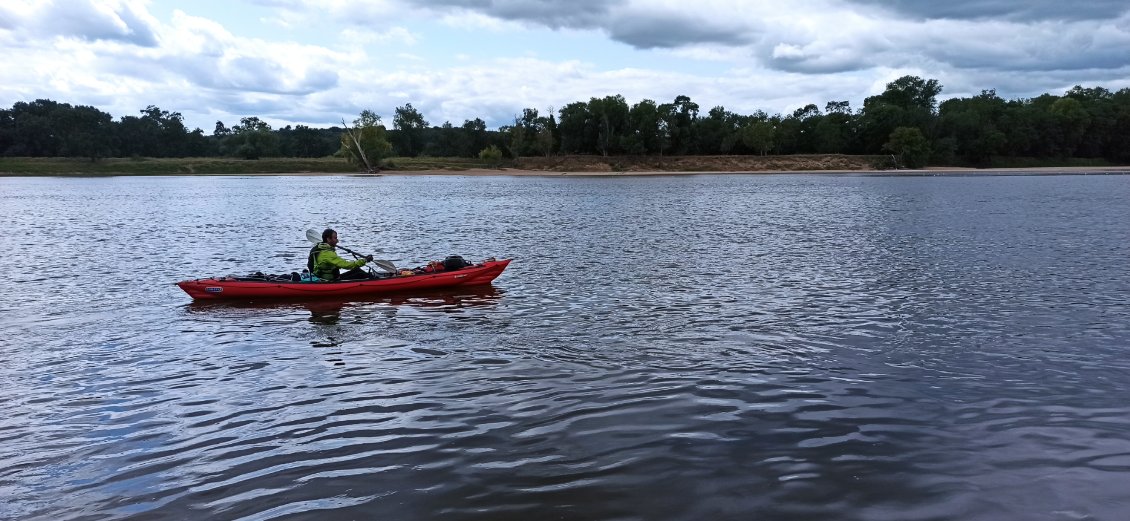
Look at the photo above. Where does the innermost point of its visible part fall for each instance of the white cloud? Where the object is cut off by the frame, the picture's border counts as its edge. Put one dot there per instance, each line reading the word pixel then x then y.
pixel 462 19
pixel 90 20
pixel 351 36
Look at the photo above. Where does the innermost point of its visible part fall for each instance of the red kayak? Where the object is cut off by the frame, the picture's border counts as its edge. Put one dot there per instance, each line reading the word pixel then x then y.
pixel 232 288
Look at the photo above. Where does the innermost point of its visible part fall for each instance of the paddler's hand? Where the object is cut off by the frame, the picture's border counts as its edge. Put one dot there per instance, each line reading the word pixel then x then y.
pixel 369 258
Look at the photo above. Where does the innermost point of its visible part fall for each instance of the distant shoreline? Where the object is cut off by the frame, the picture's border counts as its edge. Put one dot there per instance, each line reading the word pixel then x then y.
pixel 515 172
pixel 929 171
pixel 553 166
pixel 511 172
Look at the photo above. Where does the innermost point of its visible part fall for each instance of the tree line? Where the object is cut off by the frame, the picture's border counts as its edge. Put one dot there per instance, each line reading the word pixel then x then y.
pixel 905 121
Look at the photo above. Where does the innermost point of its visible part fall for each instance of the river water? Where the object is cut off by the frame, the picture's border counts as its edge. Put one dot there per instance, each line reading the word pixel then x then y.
pixel 685 347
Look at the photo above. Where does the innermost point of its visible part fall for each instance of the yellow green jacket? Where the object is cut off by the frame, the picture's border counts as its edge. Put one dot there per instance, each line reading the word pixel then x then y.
pixel 325 264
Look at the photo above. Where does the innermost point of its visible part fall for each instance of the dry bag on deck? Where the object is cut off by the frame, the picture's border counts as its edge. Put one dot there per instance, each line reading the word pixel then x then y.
pixel 454 262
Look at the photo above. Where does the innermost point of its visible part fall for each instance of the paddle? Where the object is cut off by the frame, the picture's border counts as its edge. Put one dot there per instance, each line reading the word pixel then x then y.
pixel 388 266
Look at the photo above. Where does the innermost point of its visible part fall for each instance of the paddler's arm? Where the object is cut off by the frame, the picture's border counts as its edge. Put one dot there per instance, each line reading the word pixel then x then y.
pixel 331 257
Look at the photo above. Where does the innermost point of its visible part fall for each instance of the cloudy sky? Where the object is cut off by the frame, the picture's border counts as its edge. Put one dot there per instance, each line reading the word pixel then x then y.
pixel 315 62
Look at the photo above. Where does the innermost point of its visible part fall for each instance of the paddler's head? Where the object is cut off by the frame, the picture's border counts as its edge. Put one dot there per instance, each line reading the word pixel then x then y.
pixel 329 236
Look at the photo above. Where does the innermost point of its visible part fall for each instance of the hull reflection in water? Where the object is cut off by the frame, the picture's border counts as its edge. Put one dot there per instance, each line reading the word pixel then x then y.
pixel 328 311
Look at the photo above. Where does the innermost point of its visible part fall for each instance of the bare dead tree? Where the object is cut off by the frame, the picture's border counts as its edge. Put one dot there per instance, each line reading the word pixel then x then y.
pixel 360 150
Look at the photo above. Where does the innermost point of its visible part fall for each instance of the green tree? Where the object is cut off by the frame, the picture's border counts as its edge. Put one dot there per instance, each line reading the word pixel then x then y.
pixel 137 136
pixel 545 141
pixel 718 132
pixel 33 131
pixel 577 129
pixel 759 134
pixel 7 131
pixel 252 138
pixel 442 141
pixel 876 122
pixel 1101 119
pixel 198 145
pixel 156 133
pixel 645 132
pixel 1073 121
pixel 912 92
pixel 304 141
pixel 45 128
pixel 835 131
pixel 532 134
pixel 907 102
pixel 796 133
pixel 85 131
pixel 973 125
pixel 1118 149
pixel 491 154
pixel 680 117
pixel 474 137
pixel 610 119
pixel 408 125
pixel 909 146
pixel 172 135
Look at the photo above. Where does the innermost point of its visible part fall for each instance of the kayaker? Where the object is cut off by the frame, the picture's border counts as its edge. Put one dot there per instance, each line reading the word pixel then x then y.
pixel 325 264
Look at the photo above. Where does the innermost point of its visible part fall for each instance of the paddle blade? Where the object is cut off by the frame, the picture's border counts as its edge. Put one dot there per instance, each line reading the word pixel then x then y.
pixel 385 265
pixel 313 236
